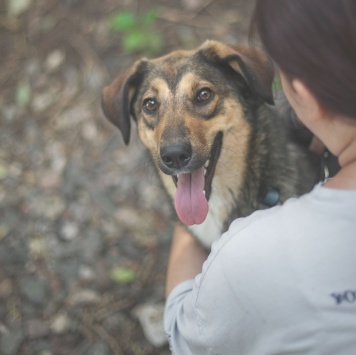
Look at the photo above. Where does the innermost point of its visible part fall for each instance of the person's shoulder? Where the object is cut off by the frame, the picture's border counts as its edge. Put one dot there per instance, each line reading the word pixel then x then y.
pixel 255 219
pixel 252 238
pixel 262 222
pixel 254 248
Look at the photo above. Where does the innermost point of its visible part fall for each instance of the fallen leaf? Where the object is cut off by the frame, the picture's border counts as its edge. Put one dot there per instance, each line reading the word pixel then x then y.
pixel 23 94
pixel 123 275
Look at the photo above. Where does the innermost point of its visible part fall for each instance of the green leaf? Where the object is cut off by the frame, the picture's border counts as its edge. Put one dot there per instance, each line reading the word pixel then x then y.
pixel 123 21
pixel 23 94
pixel 123 275
pixel 134 41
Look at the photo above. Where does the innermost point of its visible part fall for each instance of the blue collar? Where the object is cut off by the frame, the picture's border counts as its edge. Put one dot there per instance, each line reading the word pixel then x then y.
pixel 271 199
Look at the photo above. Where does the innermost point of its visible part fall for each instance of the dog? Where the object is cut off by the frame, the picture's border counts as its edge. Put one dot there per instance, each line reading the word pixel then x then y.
pixel 207 119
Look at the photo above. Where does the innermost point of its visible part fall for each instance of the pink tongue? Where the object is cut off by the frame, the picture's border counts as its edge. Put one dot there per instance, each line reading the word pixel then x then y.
pixel 190 202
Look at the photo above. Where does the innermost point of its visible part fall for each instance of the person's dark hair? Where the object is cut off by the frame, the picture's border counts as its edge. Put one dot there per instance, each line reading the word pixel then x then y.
pixel 314 41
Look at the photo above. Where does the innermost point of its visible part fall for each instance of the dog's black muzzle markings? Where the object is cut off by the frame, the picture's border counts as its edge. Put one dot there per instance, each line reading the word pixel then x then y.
pixel 214 157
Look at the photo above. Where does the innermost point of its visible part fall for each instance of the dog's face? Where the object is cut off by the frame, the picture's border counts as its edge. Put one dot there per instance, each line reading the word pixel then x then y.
pixel 190 106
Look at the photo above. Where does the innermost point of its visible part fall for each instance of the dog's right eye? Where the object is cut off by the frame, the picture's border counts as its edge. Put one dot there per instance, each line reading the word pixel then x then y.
pixel 150 105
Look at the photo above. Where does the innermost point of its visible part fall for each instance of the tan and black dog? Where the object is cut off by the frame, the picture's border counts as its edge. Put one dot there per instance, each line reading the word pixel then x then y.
pixel 219 146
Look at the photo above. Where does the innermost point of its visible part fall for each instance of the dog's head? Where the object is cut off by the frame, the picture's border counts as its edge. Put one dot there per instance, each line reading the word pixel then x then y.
pixel 185 105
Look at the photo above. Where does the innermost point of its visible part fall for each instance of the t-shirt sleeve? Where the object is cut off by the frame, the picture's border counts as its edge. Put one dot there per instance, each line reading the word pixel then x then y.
pixel 180 321
pixel 193 304
pixel 198 315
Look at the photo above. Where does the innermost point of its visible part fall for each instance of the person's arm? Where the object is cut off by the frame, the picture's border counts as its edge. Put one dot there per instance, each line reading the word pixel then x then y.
pixel 186 258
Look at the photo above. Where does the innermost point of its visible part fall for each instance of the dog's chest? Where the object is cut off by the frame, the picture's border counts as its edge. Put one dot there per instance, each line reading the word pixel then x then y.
pixel 220 205
pixel 212 228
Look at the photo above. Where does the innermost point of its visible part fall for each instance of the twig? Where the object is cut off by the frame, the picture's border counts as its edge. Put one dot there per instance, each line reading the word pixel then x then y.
pixel 109 309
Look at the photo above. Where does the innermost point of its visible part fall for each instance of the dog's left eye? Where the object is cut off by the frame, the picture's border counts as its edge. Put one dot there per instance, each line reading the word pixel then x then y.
pixel 204 95
pixel 150 105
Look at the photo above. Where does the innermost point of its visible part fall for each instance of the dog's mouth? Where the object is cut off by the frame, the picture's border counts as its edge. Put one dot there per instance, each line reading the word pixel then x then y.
pixel 194 188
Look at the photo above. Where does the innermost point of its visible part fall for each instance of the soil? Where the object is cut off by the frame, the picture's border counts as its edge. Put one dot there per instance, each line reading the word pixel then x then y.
pixel 85 227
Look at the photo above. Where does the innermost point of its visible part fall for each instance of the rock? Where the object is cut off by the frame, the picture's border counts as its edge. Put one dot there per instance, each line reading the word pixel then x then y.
pixel 54 60
pixel 42 101
pixel 10 113
pixel 32 70
pixel 48 205
pixel 114 322
pixel 99 348
pixel 96 348
pixel 50 179
pixel 60 324
pixel 192 4
pixel 68 270
pixel 91 246
pixel 69 231
pixel 86 273
pixel 13 253
pixel 71 77
pixel 17 7
pixel 6 288
pixel 94 78
pixel 150 317
pixel 36 328
pixel 89 131
pixel 83 348
pixel 40 345
pixel 35 289
pixel 38 246
pixel 11 340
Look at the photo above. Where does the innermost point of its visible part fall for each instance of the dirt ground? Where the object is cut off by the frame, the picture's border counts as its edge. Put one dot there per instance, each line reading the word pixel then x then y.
pixel 84 227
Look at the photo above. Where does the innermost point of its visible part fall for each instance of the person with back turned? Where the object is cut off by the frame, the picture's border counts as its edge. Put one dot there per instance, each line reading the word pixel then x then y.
pixel 283 280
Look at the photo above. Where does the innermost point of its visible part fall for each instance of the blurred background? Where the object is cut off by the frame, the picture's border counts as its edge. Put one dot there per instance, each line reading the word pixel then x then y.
pixel 84 226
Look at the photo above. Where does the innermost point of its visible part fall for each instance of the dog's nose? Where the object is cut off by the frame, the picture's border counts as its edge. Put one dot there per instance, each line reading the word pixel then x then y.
pixel 176 156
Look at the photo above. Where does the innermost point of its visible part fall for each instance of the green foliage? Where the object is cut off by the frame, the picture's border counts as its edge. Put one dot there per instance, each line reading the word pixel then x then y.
pixel 123 275
pixel 139 35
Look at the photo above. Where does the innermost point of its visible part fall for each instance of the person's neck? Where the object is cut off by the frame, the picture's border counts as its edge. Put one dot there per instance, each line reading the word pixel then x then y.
pixel 346 177
pixel 340 138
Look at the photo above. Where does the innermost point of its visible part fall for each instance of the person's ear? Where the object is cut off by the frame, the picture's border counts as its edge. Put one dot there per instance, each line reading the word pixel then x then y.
pixel 305 99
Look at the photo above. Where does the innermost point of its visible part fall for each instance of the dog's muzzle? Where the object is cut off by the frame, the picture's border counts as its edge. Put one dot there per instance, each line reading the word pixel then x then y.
pixel 193 178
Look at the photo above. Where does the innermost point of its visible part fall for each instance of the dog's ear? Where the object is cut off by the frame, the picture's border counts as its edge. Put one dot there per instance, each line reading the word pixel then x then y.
pixel 117 98
pixel 254 66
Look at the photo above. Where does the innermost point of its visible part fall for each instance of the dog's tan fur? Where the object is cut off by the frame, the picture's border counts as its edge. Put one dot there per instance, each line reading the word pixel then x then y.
pixel 256 152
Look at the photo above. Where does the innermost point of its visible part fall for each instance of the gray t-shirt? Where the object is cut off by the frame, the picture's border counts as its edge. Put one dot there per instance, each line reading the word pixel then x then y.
pixel 281 281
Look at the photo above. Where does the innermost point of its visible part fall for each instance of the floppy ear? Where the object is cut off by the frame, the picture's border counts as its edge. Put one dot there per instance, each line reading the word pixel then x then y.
pixel 254 66
pixel 117 97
